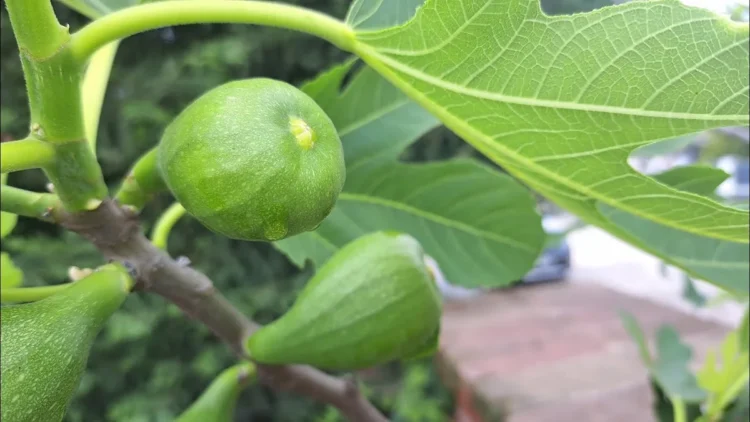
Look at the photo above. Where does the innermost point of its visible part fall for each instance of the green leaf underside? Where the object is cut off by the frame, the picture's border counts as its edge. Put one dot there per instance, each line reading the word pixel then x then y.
pixel 668 146
pixel 701 180
pixel 376 14
pixel 725 263
pixel 480 225
pixel 560 102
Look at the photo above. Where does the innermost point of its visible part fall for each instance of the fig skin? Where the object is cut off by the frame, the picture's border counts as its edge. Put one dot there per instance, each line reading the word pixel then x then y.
pixel 46 345
pixel 373 302
pixel 254 159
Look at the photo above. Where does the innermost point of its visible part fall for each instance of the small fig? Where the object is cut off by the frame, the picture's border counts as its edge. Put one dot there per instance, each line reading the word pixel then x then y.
pixel 218 401
pixel 255 159
pixel 45 345
pixel 374 301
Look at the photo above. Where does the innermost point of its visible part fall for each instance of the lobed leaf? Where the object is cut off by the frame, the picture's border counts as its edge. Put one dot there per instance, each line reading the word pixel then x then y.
pixel 560 102
pixel 725 372
pixel 669 367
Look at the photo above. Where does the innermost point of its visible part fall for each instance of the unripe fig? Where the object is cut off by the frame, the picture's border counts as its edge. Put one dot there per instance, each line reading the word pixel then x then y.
pixel 374 301
pixel 218 401
pixel 45 345
pixel 255 159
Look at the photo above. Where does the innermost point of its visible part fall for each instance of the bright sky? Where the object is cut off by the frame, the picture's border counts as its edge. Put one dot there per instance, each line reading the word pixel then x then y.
pixel 718 6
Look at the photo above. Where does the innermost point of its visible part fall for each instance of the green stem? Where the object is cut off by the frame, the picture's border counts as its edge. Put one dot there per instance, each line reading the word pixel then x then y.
pixel 30 204
pixel 24 154
pixel 36 28
pixel 53 82
pixel 678 405
pixel 77 177
pixel 30 294
pixel 164 224
pixel 94 87
pixel 133 20
pixel 142 182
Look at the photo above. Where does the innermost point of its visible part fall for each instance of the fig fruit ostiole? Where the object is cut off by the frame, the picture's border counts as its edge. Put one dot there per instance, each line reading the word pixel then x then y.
pixel 45 344
pixel 218 401
pixel 374 301
pixel 254 159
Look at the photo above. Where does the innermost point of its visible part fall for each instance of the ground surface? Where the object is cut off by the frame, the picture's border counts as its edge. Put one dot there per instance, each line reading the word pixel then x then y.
pixel 558 352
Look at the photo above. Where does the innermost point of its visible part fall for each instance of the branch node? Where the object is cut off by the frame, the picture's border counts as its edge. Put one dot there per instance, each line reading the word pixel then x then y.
pixel 351 388
pixel 132 270
pixel 183 261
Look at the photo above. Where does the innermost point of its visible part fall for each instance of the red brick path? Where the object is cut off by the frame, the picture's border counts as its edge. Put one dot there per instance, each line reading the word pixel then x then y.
pixel 556 353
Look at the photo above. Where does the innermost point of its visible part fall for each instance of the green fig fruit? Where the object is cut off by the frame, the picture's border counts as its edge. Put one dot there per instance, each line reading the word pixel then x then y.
pixel 217 402
pixel 10 275
pixel 374 301
pixel 45 344
pixel 254 159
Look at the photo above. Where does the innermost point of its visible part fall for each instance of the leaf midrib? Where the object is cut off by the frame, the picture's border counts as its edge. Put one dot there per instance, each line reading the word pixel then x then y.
pixel 372 58
pixel 435 218
pixel 535 102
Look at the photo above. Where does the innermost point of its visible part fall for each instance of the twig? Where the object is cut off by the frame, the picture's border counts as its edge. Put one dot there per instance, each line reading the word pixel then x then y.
pixel 115 231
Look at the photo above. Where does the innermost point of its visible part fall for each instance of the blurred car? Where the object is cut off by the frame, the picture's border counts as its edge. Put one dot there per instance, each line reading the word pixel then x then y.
pixel 552 265
pixel 737 186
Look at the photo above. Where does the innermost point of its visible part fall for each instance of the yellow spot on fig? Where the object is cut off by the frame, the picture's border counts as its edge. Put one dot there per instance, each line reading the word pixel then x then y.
pixel 275 230
pixel 93 204
pixel 304 134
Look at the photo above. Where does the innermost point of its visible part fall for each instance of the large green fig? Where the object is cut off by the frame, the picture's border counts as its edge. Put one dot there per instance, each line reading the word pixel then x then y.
pixel 374 301
pixel 45 344
pixel 255 159
pixel 218 401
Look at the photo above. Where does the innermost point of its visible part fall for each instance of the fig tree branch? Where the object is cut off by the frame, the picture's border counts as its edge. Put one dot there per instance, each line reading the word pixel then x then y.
pixel 115 231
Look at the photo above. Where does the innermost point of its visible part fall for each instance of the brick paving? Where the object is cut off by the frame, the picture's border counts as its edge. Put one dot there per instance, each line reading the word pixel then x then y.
pixel 555 352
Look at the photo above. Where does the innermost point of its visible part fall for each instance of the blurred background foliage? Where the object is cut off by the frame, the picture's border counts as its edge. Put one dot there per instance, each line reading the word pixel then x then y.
pixel 150 362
